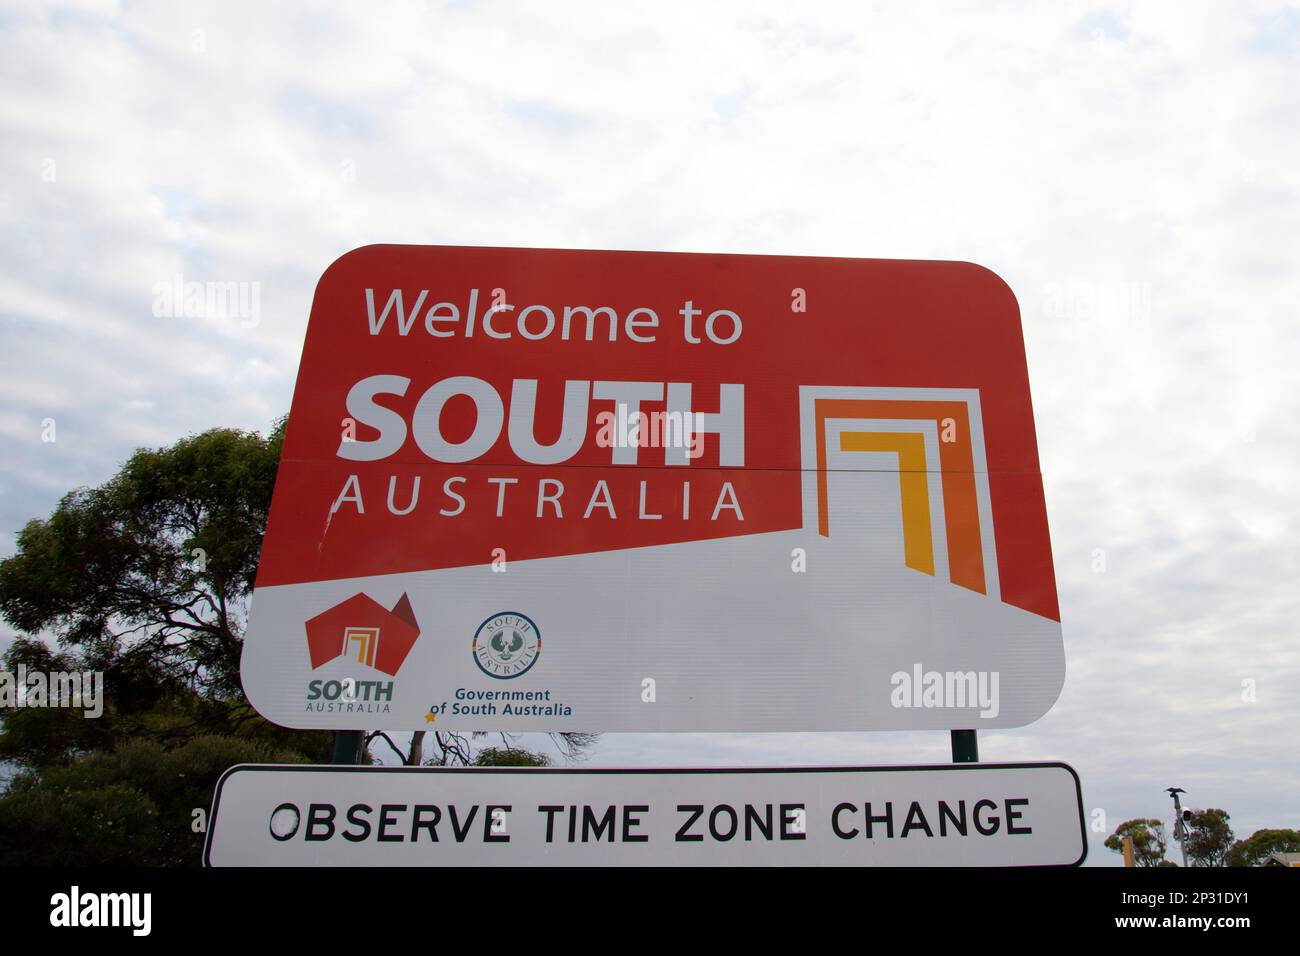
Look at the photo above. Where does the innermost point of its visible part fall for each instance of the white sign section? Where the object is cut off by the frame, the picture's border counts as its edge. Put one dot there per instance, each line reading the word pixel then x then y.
pixel 955 815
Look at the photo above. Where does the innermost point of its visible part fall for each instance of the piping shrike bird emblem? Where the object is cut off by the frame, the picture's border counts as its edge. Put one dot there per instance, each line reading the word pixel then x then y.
pixel 506 642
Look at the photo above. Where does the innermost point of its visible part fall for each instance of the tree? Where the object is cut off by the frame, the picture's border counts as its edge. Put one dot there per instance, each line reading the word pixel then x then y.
pixel 1257 847
pixel 134 804
pixel 150 571
pixel 509 757
pixel 146 579
pixel 1148 841
pixel 1209 838
pixel 458 749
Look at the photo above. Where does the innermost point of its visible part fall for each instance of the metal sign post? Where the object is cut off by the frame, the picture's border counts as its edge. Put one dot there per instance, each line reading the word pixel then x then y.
pixel 348 745
pixel 965 748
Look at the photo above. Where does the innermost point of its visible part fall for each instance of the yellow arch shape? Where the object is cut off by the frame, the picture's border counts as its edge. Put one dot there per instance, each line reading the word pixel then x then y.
pixel 913 487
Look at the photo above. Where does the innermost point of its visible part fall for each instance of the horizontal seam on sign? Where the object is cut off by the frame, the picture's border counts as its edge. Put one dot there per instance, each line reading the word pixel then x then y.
pixel 677 469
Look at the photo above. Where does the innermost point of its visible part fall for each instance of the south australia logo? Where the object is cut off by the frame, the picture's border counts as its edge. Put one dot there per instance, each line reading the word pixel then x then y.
pixel 363 631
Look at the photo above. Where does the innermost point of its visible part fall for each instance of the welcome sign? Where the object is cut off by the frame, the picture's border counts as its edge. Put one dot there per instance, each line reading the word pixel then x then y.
pixel 527 489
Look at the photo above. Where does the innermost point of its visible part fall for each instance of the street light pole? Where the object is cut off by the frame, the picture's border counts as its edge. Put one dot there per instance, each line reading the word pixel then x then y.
pixel 1180 831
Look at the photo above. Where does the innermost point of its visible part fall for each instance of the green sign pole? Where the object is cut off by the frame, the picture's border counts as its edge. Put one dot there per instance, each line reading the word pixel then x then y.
pixel 348 744
pixel 965 748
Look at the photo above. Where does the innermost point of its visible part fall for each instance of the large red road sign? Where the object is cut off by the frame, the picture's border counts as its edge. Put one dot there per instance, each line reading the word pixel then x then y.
pixel 649 491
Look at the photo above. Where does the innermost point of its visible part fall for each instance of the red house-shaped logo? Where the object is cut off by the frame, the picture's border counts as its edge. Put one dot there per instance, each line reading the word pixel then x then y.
pixel 363 629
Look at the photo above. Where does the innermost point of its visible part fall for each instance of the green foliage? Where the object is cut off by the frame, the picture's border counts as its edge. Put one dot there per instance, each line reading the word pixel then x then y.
pixel 1209 838
pixel 150 569
pixel 40 826
pixel 146 579
pixel 132 805
pixel 1148 841
pixel 140 705
pixel 510 757
pixel 1257 847
pixel 113 575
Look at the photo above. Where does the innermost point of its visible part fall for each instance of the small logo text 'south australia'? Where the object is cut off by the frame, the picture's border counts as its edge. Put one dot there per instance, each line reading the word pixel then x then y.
pixel 506 645
pixel 363 630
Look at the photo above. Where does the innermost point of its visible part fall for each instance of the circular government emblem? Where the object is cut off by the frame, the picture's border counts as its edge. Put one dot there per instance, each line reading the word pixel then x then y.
pixel 506 645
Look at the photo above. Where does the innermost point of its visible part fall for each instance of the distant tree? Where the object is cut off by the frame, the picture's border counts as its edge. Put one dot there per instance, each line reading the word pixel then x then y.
pixel 459 749
pixel 510 757
pixel 1257 847
pixel 1209 838
pixel 1148 841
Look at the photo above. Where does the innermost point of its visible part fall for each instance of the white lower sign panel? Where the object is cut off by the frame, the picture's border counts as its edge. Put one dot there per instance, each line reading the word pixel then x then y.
pixel 953 815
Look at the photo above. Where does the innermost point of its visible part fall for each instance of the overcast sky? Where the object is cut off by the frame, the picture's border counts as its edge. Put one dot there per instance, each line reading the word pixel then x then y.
pixel 1131 169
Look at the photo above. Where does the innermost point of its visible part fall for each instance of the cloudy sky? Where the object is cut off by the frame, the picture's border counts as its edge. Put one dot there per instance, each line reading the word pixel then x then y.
pixel 1131 169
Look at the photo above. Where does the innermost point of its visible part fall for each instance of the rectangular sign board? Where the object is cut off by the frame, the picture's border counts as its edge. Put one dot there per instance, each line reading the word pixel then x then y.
pixel 538 489
pixel 957 815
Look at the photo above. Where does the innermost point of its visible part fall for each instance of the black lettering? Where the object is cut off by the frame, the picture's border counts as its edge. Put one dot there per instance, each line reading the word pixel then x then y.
pixel 418 823
pixel 629 822
pixel 590 826
pixel 946 814
pixel 713 822
pixel 279 834
pixel 696 811
pixel 753 821
pixel 915 811
pixel 460 832
pixel 550 820
pixel 887 819
pixel 388 818
pixel 1014 815
pixel 994 821
pixel 353 817
pixel 322 814
pixel 488 835
pixel 835 822
pixel 787 820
